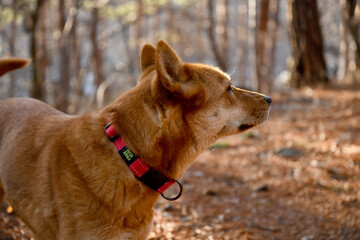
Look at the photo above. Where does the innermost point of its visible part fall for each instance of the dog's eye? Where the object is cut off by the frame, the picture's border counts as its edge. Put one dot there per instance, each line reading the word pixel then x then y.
pixel 229 89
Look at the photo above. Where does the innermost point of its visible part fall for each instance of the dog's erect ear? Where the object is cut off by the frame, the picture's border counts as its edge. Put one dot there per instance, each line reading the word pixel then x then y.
pixel 175 76
pixel 168 63
pixel 147 57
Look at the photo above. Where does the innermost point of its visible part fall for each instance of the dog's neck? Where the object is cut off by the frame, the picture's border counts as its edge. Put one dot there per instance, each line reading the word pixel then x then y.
pixel 160 137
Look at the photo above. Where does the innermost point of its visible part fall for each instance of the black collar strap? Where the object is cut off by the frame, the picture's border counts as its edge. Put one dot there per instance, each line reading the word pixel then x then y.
pixel 151 177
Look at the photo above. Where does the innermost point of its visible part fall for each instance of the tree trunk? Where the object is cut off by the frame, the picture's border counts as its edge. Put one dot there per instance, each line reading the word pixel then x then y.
pixel 270 45
pixel 38 84
pixel 155 25
pixel 265 43
pixel 251 36
pixel 125 34
pixel 74 38
pixel 62 101
pixel 309 66
pixel 225 23
pixel 12 47
pixel 200 43
pixel 261 34
pixel 139 31
pixel 170 15
pixel 352 22
pixel 140 22
pixel 243 30
pixel 344 44
pixel 221 61
pixel 97 58
pixel 42 54
pixel 77 71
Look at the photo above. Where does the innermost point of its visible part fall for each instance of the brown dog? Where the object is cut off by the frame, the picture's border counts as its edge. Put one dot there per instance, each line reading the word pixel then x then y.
pixel 66 179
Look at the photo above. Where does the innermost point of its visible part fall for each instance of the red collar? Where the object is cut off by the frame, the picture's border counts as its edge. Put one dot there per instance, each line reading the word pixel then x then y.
pixel 151 177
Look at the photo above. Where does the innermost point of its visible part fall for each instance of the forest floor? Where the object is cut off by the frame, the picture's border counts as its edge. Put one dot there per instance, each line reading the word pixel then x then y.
pixel 295 177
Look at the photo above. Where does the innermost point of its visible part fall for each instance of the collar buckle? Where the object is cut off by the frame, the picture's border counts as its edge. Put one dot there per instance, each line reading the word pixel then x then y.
pixel 175 197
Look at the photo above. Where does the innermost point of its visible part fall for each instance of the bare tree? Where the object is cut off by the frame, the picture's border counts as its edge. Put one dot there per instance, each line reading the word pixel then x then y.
pixel 62 100
pixel 74 36
pixel 38 83
pixel 76 57
pixel 351 19
pixel 42 55
pixel 344 43
pixel 225 28
pixel 243 51
pixel 265 43
pixel 200 43
pixel 97 57
pixel 12 41
pixel 309 66
pixel 170 18
pixel 271 43
pixel 139 30
pixel 261 33
pixel 219 57
pixel 251 43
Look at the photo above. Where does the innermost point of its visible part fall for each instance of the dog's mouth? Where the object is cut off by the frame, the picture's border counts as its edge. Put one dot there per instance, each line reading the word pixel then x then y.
pixel 260 116
pixel 244 127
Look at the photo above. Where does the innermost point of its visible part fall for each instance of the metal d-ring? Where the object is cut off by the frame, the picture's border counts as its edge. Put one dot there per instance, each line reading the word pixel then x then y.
pixel 177 196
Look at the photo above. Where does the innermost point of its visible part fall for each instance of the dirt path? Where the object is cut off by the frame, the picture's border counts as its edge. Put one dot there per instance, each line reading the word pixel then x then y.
pixel 295 177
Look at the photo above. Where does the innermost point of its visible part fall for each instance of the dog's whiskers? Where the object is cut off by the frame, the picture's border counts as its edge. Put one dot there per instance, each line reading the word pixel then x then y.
pixel 232 71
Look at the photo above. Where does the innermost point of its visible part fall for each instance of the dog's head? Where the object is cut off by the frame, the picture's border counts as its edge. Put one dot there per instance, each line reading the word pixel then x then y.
pixel 210 105
pixel 178 109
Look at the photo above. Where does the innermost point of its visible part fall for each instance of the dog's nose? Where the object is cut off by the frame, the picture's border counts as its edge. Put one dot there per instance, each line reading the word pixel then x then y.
pixel 268 99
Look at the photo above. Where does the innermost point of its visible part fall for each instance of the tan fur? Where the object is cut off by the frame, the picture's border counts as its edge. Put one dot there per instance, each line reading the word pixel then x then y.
pixel 66 180
pixel 10 64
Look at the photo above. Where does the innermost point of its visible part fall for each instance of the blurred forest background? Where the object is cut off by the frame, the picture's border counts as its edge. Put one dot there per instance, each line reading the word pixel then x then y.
pixel 86 52
pixel 296 177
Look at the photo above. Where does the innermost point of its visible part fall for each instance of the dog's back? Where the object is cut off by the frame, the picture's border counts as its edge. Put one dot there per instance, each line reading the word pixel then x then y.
pixel 14 112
